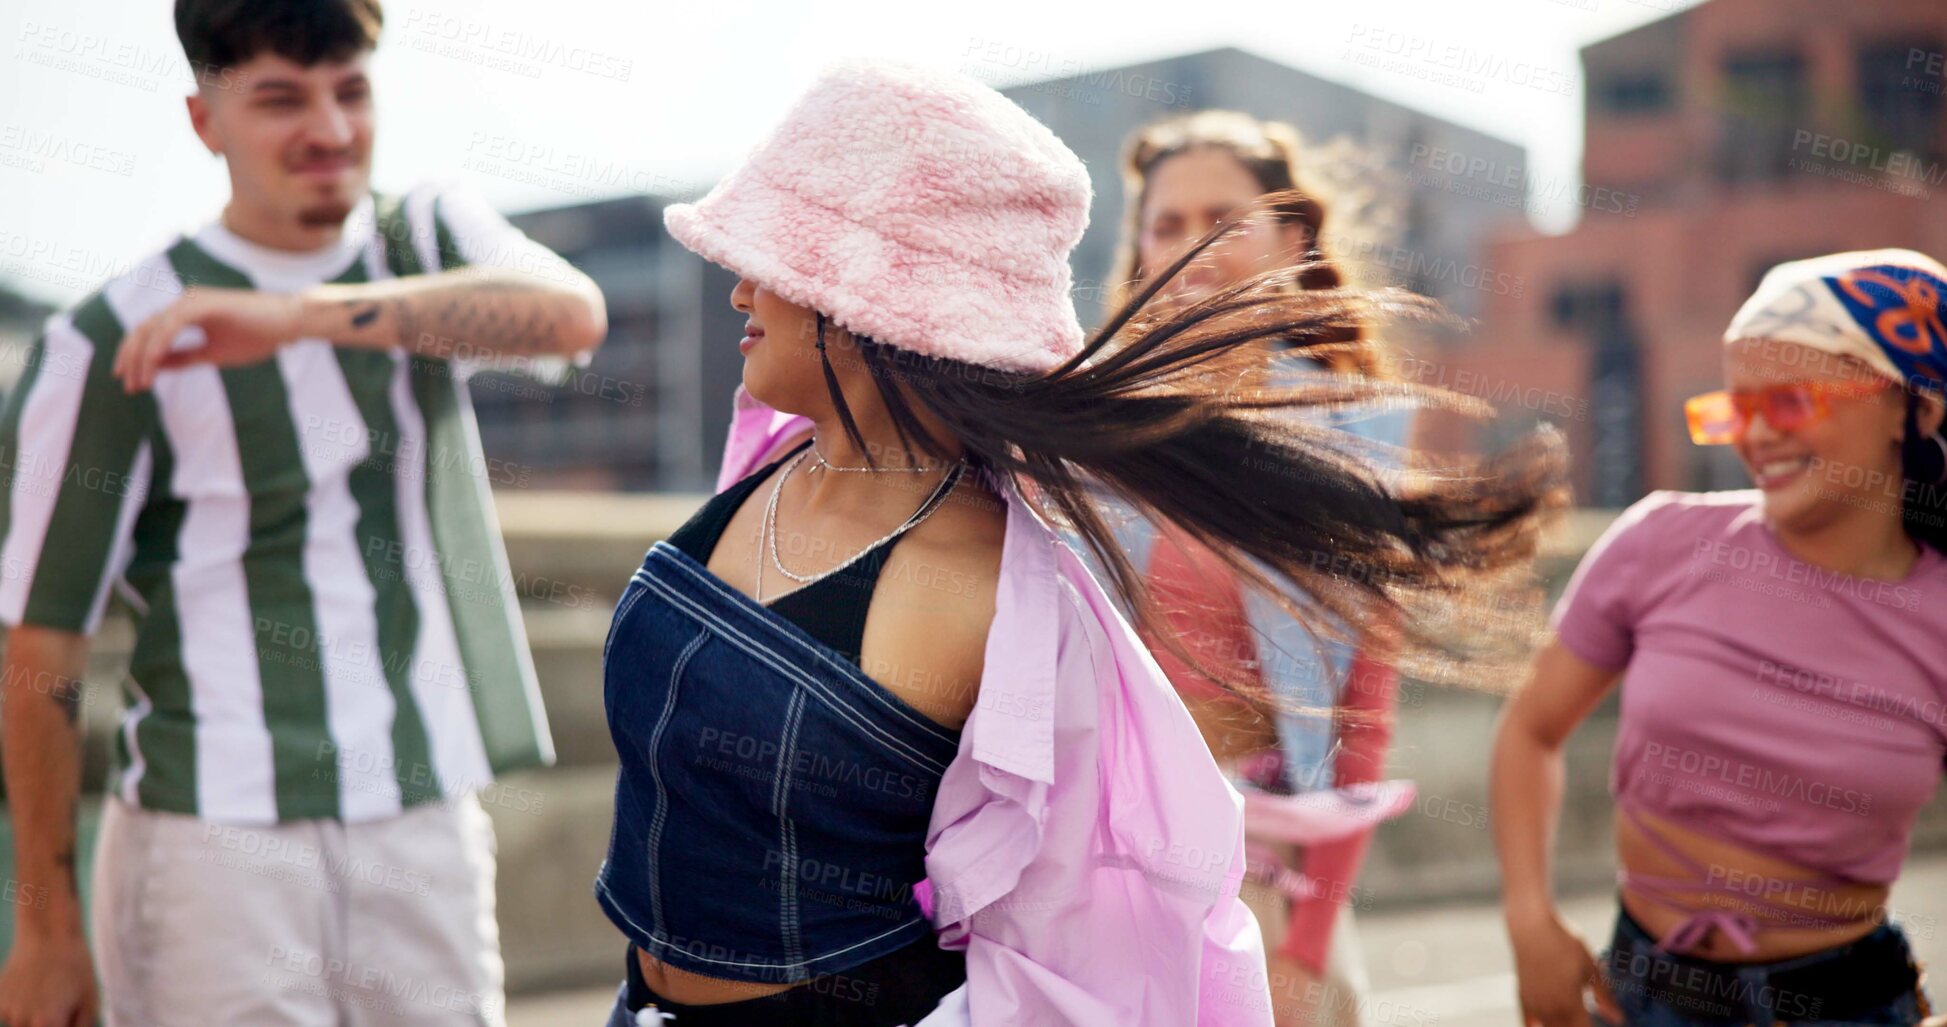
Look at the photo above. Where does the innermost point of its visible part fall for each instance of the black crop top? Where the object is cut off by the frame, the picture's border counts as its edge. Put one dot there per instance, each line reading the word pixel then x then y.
pixel 832 609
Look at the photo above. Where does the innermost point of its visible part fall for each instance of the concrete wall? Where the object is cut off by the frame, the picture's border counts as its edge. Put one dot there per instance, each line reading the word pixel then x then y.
pixel 1442 851
pixel 571 554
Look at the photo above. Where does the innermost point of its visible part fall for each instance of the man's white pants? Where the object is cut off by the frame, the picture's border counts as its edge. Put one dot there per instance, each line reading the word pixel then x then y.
pixel 381 922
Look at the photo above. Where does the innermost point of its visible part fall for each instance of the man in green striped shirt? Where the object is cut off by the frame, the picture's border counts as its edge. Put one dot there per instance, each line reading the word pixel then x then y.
pixel 261 439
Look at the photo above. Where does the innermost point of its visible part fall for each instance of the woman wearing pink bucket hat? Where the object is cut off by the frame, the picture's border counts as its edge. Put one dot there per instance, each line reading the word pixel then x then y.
pixel 889 752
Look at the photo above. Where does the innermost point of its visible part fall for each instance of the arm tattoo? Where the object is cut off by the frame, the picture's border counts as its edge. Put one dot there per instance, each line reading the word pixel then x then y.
pixel 491 317
pixel 64 861
pixel 405 320
pixel 68 695
pixel 483 315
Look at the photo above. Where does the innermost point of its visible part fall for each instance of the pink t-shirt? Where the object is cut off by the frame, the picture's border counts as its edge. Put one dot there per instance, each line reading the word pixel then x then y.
pixel 1794 711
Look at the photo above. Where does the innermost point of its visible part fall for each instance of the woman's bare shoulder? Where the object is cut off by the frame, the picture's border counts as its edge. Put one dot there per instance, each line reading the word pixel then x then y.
pixel 926 635
pixel 964 537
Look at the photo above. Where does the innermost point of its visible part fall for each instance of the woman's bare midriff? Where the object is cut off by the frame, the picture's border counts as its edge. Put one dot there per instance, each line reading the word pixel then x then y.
pixel 1744 881
pixel 697 990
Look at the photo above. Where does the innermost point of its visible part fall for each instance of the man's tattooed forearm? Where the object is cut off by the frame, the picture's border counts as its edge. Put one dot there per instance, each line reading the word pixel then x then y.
pixel 68 694
pixel 497 318
pixel 489 315
pixel 405 321
pixel 64 860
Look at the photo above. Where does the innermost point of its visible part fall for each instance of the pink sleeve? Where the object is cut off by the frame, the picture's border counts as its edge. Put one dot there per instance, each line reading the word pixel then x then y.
pixel 1596 616
pixel 1364 736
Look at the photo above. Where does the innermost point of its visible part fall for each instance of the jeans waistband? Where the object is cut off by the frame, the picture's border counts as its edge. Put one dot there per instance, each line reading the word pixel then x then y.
pixel 1834 983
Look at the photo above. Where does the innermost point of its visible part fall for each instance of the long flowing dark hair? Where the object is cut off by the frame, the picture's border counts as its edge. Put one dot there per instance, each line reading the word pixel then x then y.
pixel 1175 413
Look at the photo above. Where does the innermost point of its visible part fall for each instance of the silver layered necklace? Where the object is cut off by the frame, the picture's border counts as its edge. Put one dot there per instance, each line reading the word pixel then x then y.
pixel 769 542
pixel 823 466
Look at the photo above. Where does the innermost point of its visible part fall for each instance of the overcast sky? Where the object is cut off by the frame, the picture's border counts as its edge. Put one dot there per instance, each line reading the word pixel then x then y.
pixel 545 103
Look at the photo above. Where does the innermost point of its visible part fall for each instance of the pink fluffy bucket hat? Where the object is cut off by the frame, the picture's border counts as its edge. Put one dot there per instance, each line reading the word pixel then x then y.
pixel 920 208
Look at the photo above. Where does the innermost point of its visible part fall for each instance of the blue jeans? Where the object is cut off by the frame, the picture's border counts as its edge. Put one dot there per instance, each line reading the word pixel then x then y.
pixel 1657 989
pixel 896 989
pixel 619 1016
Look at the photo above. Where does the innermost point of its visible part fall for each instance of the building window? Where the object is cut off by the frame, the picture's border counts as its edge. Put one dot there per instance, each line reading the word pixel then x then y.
pixel 1586 306
pixel 1633 92
pixel 1763 100
pixel 1899 96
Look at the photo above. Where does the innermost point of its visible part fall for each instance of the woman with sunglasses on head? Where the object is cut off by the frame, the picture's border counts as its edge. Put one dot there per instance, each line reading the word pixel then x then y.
pixel 1779 653
pixel 889 753
pixel 1326 719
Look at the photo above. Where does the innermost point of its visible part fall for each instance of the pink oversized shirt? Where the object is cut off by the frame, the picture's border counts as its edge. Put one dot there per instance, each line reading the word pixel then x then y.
pixel 1084 850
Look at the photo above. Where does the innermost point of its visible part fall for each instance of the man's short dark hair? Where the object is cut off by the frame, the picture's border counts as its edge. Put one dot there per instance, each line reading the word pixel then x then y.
pixel 219 34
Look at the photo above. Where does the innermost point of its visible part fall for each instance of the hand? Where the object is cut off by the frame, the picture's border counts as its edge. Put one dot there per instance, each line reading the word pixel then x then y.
pixel 48 983
pixel 239 326
pixel 1554 967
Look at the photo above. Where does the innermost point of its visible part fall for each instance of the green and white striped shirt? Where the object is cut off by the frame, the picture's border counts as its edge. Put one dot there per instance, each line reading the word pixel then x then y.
pixel 325 623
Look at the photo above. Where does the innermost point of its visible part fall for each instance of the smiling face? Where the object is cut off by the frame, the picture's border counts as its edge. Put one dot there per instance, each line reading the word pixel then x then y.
pixel 1817 473
pixel 297 140
pixel 1187 195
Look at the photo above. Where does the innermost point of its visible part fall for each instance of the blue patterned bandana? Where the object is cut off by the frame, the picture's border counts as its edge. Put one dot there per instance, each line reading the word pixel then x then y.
pixel 1882 307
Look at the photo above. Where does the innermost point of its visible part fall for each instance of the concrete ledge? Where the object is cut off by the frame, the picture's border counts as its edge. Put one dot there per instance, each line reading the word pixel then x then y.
pixel 567 646
pixel 571 555
pixel 575 547
pixel 552 933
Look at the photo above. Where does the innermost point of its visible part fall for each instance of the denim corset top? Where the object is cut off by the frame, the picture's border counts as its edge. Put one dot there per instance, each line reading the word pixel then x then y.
pixel 772 803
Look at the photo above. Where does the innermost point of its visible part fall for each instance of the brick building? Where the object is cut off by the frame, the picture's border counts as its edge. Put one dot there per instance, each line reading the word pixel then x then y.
pixel 1720 140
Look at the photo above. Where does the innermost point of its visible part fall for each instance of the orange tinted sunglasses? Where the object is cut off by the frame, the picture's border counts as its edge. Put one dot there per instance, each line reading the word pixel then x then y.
pixel 1721 417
